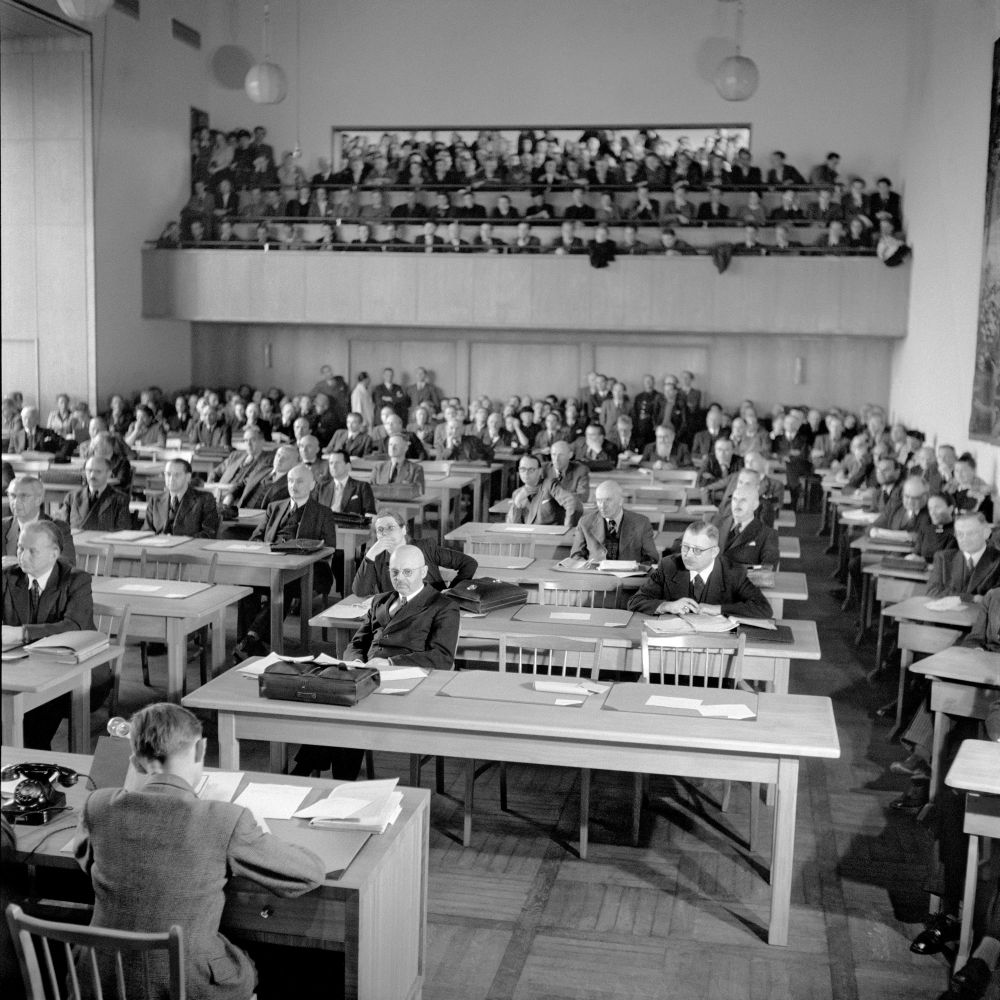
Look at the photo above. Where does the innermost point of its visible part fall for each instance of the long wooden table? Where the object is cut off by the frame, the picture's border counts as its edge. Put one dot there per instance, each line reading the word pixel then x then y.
pixel 766 750
pixel 375 913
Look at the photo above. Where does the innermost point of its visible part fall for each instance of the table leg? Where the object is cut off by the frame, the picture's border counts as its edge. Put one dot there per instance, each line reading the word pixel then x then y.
pixel 229 745
pixel 218 641
pixel 13 719
pixel 782 850
pixel 306 605
pixel 942 726
pixel 277 613
pixel 279 758
pixel 968 902
pixel 176 658
pixel 79 717
pixel 479 514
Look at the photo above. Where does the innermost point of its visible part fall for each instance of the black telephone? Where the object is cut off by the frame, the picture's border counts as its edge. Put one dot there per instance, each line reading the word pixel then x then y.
pixel 36 800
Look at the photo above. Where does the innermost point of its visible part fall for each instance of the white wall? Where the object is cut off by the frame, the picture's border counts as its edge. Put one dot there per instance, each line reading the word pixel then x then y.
pixel 944 161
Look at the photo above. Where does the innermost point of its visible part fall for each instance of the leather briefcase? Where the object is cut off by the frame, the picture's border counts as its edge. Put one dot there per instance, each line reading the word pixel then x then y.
pixel 318 683
pixel 483 595
pixel 296 545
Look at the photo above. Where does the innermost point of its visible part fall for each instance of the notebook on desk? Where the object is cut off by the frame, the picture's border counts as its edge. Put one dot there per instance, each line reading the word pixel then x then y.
pixel 591 617
pixel 780 635
pixel 901 564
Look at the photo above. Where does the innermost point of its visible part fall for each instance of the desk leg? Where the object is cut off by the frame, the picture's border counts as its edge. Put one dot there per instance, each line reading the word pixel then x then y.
pixel 968 902
pixel 229 745
pixel 905 659
pixel 782 850
pixel 479 513
pixel 13 719
pixel 277 613
pixel 176 658
pixel 306 605
pixel 218 641
pixel 79 717
pixel 942 726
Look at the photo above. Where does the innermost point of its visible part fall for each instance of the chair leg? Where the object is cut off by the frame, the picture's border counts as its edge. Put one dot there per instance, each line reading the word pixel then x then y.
pixel 439 774
pixel 204 639
pixel 119 665
pixel 144 660
pixel 727 791
pixel 638 791
pixel 584 811
pixel 470 787
pixel 503 786
pixel 370 765
pixel 754 816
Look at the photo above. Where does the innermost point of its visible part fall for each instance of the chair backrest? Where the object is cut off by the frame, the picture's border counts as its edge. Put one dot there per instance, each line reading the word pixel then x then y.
pixel 662 495
pixel 498 545
pixel 97 560
pixel 166 565
pixel 552 655
pixel 113 620
pixel 682 477
pixel 917 638
pixel 600 592
pixel 117 962
pixel 675 659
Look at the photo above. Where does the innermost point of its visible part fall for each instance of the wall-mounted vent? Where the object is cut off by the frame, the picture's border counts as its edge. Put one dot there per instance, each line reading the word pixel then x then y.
pixel 130 7
pixel 186 34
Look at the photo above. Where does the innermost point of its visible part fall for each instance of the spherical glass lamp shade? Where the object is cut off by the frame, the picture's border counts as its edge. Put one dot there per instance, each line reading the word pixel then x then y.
pixel 266 83
pixel 736 78
pixel 85 10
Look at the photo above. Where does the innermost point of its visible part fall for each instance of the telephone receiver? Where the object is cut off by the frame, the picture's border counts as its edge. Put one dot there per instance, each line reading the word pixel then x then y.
pixel 36 799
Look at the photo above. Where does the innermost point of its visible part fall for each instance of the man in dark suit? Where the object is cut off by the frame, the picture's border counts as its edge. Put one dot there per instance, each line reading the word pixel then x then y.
pixel 719 469
pixel 342 493
pixel 388 393
pixel 971 570
pixel 703 445
pixel 97 506
pixel 32 437
pixel 539 500
pixel 297 517
pixel 413 625
pixel 25 496
pixel 563 471
pixel 160 855
pixel 237 467
pixel 743 173
pixel 743 538
pixel 794 447
pixel 781 173
pixel 45 595
pixel 715 209
pixel 699 580
pixel 211 431
pixel 398 468
pixel 666 452
pixel 594 451
pixel 267 485
pixel 179 509
pixel 611 532
pixel 352 440
pixel 461 447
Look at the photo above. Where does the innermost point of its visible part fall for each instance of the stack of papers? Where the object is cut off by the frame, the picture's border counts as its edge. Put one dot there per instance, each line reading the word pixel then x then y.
pixel 860 516
pixel 735 711
pixel 768 623
pixel 944 604
pixel 350 607
pixel 70 647
pixel 271 801
pixel 888 535
pixel 219 786
pixel 259 666
pixel 689 624
pixel 399 680
pixel 365 806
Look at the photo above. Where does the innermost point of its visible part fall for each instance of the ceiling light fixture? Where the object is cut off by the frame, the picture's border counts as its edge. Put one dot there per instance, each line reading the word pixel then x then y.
pixel 737 77
pixel 266 82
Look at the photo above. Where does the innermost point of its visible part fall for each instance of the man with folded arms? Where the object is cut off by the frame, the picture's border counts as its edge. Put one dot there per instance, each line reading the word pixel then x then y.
pixel 611 532
pixel 265 486
pixel 44 594
pixel 700 580
pixel 179 509
pixel 238 466
pixel 398 468
pixel 972 569
pixel 97 506
pixel 540 500
pixel 592 450
pixel 411 625
pixel 743 537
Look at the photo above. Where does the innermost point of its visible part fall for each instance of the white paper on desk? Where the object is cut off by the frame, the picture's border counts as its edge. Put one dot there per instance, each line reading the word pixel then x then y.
pixel 664 701
pixel 220 786
pixel 347 800
pixel 125 536
pixel 944 604
pixel 258 667
pixel 350 607
pixel 768 623
pixel 165 541
pixel 240 546
pixel 568 701
pixel 570 687
pixel 401 673
pixel 385 690
pixel 274 801
pixel 140 588
pixel 860 516
pixel 726 711
pixel 569 616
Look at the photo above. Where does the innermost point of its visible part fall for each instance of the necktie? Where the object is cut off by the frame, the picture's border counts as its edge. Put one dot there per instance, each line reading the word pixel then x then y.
pixel 557 480
pixel 93 499
pixel 171 515
pixel 697 587
pixel 397 606
pixel 34 595
pixel 611 539
pixel 393 473
pixel 970 568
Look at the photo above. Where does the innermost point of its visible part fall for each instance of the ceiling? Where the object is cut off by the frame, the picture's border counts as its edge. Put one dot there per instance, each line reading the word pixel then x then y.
pixel 18 21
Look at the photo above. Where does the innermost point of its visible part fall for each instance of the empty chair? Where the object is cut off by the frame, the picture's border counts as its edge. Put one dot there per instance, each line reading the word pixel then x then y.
pixel 499 545
pixel 114 621
pixel 97 560
pixel 599 592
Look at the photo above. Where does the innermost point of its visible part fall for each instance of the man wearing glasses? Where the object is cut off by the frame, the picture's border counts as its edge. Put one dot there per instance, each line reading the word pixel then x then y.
pixel 26 495
pixel 700 580
pixel 541 500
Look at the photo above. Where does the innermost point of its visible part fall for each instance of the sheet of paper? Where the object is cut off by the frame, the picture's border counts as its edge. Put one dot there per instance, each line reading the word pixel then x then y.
pixel 350 608
pixel 220 786
pixel 664 701
pixel 568 701
pixel 240 546
pixel 944 604
pixel 140 588
pixel 267 801
pixel 401 673
pixel 570 687
pixel 385 690
pixel 726 711
pixel 259 666
pixel 165 541
pixel 126 536
pixel 345 800
pixel 569 616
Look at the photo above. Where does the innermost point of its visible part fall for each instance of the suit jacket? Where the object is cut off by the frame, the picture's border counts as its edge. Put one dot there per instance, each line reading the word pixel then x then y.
pixel 934 538
pixel 635 537
pixel 40 439
pixel 728 586
pixel 986 635
pixel 218 435
pixel 357 497
pixel 551 504
pixel 422 634
pixel 235 469
pixel 897 518
pixel 12 531
pixel 409 472
pixel 134 845
pixel 680 457
pixel 372 576
pixel 316 521
pixel 948 570
pixel 755 545
pixel 576 479
pixel 351 449
pixel 110 513
pixel 65 605
pixel 197 515
pixel 468 449
pixel 605 461
pixel 703 444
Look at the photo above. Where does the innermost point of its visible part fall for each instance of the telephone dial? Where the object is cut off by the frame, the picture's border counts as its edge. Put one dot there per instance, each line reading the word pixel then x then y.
pixel 36 799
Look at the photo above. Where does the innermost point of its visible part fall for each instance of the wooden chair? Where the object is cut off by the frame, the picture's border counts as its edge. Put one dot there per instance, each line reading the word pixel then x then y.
pixel 116 961
pixel 97 560
pixel 553 656
pixel 603 592
pixel 662 495
pixel 711 659
pixel 114 620
pixel 499 545
pixel 917 638
pixel 163 564
pixel 679 477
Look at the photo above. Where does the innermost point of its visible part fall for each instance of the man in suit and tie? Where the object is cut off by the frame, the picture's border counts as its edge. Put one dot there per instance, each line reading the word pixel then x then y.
pixel 211 430
pixel 563 471
pixel 703 445
pixel 720 468
pixel 666 452
pixel 540 500
pixel 97 506
pixel 342 493
pixel 611 532
pixel 971 570
pixel 413 625
pixel 299 516
pixel 309 454
pixel 592 450
pixel 700 581
pixel 743 537
pixel 267 484
pixel 237 467
pixel 179 509
pixel 160 855
pixel 26 495
pixel 398 469
pixel 462 447
pixel 30 436
pixel 45 595
pixel 352 440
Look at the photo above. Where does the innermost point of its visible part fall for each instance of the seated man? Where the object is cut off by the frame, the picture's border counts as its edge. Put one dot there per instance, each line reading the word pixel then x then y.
pixel 411 625
pixel 753 475
pixel 700 580
pixel 968 491
pixel 415 450
pixel 240 465
pixel 719 469
pixel 563 471
pixel 625 440
pixel 398 468
pixel 31 436
pixel 611 532
pixel 211 430
pixel 267 485
pixel 26 495
pixel 309 455
pixel 352 440
pixel 938 532
pixel 44 594
pixel 461 447
pixel 666 452
pixel 97 506
pixel 145 430
pixel 551 432
pixel 160 856
pixel 540 500
pixel 297 517
pixel 342 493
pixel 179 509
pixel 794 447
pixel 743 537
pixel 593 451
pixel 703 444
pixel 971 570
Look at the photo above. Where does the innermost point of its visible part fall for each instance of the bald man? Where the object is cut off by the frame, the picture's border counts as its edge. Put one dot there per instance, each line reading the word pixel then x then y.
pixel 611 532
pixel 265 485
pixel 97 506
pixel 563 471
pixel 743 537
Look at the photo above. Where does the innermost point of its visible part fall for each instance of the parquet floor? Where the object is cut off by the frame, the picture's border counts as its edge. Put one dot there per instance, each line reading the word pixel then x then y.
pixel 519 917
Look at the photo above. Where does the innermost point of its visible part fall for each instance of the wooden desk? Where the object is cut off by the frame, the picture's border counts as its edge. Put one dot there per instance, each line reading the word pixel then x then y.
pixel 172 619
pixel 37 680
pixel 375 913
pixel 915 609
pixel 964 682
pixel 251 569
pixel 976 770
pixel 882 583
pixel 768 750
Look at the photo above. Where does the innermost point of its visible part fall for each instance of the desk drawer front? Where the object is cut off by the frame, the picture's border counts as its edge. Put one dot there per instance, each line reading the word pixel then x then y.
pixel 967 700
pixel 312 916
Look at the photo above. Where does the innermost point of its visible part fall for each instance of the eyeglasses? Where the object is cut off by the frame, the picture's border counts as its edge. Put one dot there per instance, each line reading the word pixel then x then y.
pixel 406 574
pixel 21 496
pixel 694 550
pixel 388 529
